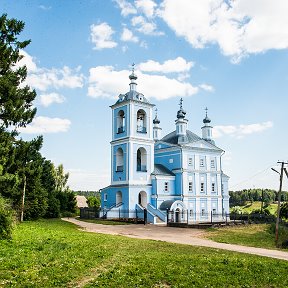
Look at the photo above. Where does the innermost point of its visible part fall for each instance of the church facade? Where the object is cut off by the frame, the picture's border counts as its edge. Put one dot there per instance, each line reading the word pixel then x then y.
pixel 176 173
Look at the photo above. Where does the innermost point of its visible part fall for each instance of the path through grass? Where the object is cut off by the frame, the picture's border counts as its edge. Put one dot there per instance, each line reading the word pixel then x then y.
pixel 52 253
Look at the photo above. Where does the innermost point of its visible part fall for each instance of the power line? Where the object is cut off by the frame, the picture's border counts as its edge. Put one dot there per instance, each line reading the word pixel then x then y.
pixel 251 177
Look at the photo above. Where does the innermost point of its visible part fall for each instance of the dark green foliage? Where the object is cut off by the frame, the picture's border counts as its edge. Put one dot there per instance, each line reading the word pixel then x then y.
pixel 94 201
pixel 6 219
pixel 87 193
pixel 264 211
pixel 23 170
pixel 15 100
pixel 240 198
pixel 284 210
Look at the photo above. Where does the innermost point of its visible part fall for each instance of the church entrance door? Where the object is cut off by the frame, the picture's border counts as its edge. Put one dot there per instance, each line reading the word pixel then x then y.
pixel 142 199
pixel 177 215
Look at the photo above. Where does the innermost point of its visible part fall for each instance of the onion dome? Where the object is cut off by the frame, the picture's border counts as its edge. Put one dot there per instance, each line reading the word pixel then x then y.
pixel 206 120
pixel 181 113
pixel 156 120
pixel 133 76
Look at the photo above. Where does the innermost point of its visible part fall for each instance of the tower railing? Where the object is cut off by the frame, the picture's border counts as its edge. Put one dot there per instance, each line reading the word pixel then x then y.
pixel 141 129
pixel 120 168
pixel 120 130
pixel 141 168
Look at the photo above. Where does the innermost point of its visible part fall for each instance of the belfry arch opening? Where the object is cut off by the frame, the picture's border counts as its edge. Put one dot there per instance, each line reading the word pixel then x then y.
pixel 141 121
pixel 120 121
pixel 119 160
pixel 141 160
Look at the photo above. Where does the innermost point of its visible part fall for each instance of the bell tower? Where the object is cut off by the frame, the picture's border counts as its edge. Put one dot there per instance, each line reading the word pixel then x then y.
pixel 132 145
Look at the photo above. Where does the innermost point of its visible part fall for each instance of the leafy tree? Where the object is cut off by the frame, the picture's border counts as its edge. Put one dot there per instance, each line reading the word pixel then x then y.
pixel 94 201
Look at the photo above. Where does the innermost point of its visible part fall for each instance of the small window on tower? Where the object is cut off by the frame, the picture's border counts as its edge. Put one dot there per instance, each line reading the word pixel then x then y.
pixel 190 161
pixel 166 186
pixel 190 186
pixel 105 197
pixel 202 187
pixel 171 160
pixel 212 164
pixel 201 162
pixel 213 187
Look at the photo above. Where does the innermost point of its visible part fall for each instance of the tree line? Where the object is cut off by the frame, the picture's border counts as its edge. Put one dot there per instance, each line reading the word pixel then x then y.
pixel 30 184
pixel 240 198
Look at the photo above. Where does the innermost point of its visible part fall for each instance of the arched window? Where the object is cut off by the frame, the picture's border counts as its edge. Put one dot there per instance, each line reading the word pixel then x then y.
pixel 141 121
pixel 119 160
pixel 118 198
pixel 120 122
pixel 141 160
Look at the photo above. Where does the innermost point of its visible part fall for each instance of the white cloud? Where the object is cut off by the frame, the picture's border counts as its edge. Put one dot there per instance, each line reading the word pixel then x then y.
pixel 48 99
pixel 101 36
pixel 43 78
pixel 207 87
pixel 43 7
pixel 104 81
pixel 41 125
pixel 170 66
pixel 28 61
pixel 239 27
pixel 127 36
pixel 145 27
pixel 146 6
pixel 126 7
pixel 241 130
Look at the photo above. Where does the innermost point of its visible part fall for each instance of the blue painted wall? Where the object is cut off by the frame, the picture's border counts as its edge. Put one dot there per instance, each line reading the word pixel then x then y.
pixel 170 159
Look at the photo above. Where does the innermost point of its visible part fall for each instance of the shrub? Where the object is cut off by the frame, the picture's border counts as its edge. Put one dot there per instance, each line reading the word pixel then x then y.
pixel 284 210
pixel 6 219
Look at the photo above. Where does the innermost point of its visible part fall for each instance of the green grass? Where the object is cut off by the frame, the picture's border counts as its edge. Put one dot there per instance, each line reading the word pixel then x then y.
pixel 255 235
pixel 52 253
pixel 248 208
pixel 104 222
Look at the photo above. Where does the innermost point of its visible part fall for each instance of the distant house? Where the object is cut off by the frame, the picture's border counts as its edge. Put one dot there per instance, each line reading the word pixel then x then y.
pixel 179 172
pixel 81 201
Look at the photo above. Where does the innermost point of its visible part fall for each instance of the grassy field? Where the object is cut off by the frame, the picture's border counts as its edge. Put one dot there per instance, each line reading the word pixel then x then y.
pixel 256 235
pixel 55 254
pixel 248 208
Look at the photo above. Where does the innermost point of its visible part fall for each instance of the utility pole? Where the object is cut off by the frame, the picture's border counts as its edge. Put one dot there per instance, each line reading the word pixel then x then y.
pixel 279 199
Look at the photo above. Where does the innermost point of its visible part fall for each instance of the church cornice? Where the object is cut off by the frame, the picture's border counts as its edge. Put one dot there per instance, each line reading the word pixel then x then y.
pixel 131 139
pixel 120 104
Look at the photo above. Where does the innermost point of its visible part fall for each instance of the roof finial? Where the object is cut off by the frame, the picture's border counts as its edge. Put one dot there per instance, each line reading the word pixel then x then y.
pixel 206 119
pixel 181 113
pixel 156 120
pixel 133 78
pixel 181 102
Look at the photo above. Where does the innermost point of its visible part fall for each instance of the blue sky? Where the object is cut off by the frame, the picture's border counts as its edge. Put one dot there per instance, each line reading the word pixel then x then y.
pixel 230 56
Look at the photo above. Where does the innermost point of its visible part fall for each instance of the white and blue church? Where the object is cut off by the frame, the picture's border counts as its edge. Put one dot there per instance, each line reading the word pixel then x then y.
pixel 176 173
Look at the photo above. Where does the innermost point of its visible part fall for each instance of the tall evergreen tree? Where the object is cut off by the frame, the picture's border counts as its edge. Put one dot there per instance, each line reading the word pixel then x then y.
pixel 15 98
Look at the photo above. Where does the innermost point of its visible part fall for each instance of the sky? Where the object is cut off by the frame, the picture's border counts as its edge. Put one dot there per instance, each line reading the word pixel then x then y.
pixel 229 56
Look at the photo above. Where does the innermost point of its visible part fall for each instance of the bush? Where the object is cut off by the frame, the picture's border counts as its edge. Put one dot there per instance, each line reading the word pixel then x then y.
pixel 6 219
pixel 284 210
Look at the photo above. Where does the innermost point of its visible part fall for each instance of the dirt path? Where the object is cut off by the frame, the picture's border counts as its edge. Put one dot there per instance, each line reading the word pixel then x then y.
pixel 173 235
